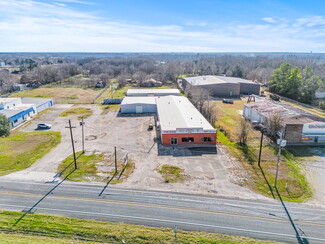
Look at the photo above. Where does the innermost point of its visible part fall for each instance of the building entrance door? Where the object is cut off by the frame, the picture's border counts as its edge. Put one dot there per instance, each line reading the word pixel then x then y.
pixel 138 109
pixel 173 141
pixel 316 139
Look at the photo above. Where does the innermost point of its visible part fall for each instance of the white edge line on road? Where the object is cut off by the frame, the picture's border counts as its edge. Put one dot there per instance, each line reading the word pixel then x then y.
pixel 170 221
pixel 76 187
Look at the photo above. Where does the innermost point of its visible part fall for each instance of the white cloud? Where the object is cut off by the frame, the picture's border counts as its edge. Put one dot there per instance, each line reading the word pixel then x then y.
pixel 269 20
pixel 76 1
pixel 196 23
pixel 31 25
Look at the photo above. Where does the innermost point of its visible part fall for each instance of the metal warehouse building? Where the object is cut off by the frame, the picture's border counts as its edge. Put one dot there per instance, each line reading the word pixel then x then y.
pixel 138 105
pixel 300 128
pixel 152 92
pixel 221 86
pixel 180 123
pixel 40 103
pixel 18 110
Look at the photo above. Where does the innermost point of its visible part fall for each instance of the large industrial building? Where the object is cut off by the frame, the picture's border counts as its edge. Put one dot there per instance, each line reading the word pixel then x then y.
pixel 18 110
pixel 222 86
pixel 178 121
pixel 300 127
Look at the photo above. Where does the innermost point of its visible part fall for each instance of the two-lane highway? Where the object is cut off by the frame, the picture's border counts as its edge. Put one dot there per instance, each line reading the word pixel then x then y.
pixel 257 219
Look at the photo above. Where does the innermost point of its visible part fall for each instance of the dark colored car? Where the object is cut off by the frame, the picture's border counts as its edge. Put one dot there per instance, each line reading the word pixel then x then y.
pixel 227 101
pixel 43 126
pixel 150 127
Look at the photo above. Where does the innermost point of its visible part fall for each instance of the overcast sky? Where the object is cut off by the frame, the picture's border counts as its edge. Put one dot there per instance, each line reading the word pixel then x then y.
pixel 162 26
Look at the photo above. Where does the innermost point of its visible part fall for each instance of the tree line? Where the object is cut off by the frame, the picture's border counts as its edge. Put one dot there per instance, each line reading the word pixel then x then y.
pixel 295 83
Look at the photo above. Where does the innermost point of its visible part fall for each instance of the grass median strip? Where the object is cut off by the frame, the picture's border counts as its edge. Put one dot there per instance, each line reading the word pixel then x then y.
pixel 21 149
pixel 54 229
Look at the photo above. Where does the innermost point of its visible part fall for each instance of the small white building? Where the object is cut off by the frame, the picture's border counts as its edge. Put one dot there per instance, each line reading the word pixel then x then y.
pixel 138 105
pixel 320 95
pixel 18 110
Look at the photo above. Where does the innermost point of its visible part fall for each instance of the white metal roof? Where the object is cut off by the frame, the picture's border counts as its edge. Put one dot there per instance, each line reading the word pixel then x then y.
pixel 4 100
pixel 139 100
pixel 35 100
pixel 152 91
pixel 177 112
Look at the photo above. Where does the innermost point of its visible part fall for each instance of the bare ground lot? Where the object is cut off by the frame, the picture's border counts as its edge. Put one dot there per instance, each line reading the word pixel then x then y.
pixel 207 174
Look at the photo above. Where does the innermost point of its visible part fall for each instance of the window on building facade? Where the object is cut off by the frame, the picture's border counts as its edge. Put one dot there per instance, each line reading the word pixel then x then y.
pixel 187 139
pixel 206 139
pixel 173 141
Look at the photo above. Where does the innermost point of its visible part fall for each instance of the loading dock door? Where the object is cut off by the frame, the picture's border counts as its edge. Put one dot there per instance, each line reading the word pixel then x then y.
pixel 138 109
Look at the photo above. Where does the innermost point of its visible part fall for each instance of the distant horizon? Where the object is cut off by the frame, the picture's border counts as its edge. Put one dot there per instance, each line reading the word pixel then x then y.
pixel 183 26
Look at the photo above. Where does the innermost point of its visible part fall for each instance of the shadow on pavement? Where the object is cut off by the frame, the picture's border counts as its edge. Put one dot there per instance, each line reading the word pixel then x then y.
pixel 107 183
pixel 185 151
pixel 39 201
pixel 300 239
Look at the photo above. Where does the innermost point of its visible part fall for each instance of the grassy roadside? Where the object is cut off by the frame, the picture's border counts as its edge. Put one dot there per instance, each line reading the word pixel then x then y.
pixel 95 167
pixel 85 112
pixel 292 183
pixel 21 149
pixel 37 228
pixel 172 173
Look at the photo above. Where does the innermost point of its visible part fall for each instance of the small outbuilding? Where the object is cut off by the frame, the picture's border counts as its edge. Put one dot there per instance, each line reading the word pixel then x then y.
pixel 138 105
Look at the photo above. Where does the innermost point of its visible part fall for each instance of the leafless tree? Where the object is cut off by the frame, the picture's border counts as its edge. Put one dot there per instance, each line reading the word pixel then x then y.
pixel 244 130
pixel 274 125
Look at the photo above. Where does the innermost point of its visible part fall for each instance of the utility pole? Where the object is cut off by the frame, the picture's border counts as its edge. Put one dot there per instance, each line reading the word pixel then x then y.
pixel 74 153
pixel 261 143
pixel 115 159
pixel 82 123
pixel 281 143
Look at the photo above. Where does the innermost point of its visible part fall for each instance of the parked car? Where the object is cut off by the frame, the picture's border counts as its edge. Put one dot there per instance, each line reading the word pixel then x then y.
pixel 227 101
pixel 43 126
pixel 150 127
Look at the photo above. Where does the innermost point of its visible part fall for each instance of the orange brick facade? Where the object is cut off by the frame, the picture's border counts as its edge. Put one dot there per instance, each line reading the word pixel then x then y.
pixel 167 138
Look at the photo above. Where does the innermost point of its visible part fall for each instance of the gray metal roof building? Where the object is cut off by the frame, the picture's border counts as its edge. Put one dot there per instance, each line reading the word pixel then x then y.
pixel 138 105
pixel 221 86
pixel 152 92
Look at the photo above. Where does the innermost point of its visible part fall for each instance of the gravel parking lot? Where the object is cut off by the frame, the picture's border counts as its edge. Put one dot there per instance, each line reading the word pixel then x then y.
pixel 211 173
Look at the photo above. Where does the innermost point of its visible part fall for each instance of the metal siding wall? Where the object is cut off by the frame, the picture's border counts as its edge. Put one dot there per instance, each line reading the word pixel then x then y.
pixel 223 90
pixel 131 108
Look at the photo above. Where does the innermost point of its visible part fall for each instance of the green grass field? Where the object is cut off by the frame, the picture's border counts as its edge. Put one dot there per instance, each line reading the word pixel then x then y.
pixel 172 173
pixel 84 112
pixel 36 228
pixel 73 95
pixel 94 167
pixel 21 149
pixel 292 183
